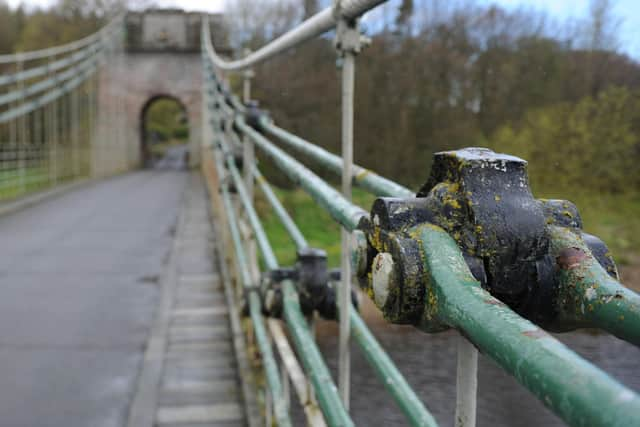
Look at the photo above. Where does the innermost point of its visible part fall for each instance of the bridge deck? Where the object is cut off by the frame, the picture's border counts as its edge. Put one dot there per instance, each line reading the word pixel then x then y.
pixel 82 276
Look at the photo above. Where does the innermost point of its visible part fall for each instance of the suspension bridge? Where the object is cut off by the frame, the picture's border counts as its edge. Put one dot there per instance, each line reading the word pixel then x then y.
pixel 154 297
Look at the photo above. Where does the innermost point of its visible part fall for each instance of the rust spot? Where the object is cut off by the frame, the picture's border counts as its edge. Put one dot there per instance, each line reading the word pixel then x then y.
pixel 535 334
pixel 570 258
pixel 493 301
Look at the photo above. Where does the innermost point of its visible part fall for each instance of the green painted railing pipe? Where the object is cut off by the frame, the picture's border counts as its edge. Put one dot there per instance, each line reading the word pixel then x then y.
pixel 323 385
pixel 268 359
pixel 343 211
pixel 588 296
pixel 389 375
pixel 377 357
pixel 282 214
pixel 362 177
pixel 326 391
pixel 268 255
pixel 578 392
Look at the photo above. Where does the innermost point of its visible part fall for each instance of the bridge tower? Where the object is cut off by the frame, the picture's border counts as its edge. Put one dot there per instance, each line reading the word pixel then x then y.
pixel 161 58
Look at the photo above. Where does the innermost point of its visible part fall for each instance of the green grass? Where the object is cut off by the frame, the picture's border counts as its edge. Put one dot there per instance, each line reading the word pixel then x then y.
pixel 12 185
pixel 613 218
pixel 34 179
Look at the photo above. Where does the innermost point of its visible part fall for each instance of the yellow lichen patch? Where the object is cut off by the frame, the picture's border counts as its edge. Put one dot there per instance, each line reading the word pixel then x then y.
pixel 362 174
pixel 432 301
pixel 497 198
pixel 370 293
pixel 452 201
pixel 567 214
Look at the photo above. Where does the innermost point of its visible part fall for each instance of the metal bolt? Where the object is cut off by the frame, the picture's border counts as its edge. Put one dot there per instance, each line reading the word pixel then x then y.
pixel 359 252
pixel 383 278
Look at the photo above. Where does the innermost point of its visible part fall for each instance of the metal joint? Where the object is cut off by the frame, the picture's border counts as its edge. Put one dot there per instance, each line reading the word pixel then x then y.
pixel 254 115
pixel 313 280
pixel 349 38
pixel 483 201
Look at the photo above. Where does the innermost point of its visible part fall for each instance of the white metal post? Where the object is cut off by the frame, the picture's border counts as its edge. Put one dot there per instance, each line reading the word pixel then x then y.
pixel 248 162
pixel 348 74
pixel 348 43
pixel 22 142
pixel 75 128
pixel 466 384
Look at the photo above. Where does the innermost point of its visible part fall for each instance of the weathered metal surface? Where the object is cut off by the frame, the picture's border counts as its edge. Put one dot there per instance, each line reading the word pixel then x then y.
pixel 482 199
pixel 587 294
pixel 313 282
pixel 574 389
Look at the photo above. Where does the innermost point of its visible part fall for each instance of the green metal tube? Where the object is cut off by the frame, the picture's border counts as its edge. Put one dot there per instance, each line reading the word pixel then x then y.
pixel 268 360
pixel 343 211
pixel 588 296
pixel 362 177
pixel 326 391
pixel 281 212
pixel 268 255
pixel 389 375
pixel 578 392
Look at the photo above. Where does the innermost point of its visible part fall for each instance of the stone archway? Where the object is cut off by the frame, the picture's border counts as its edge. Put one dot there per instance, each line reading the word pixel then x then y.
pixel 148 76
pixel 146 155
pixel 162 58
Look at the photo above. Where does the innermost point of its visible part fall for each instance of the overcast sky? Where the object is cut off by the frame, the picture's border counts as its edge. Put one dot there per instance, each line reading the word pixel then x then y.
pixel 628 10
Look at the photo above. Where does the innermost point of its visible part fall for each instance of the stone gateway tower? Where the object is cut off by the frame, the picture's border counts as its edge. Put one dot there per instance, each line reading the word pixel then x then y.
pixel 160 59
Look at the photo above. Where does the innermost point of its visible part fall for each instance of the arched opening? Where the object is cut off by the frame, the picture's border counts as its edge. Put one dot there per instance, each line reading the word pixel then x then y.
pixel 164 133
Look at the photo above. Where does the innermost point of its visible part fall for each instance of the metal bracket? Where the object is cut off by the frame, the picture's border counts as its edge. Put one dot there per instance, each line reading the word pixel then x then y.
pixel 349 38
pixel 313 280
pixel 483 200
pixel 254 114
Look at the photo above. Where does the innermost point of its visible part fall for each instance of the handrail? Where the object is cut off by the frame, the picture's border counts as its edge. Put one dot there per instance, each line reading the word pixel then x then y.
pixel 339 208
pixel 442 291
pixel 43 70
pixel 48 97
pixel 362 177
pixel 382 364
pixel 255 309
pixel 491 326
pixel 573 388
pixel 319 23
pixel 42 85
pixel 327 394
pixel 57 50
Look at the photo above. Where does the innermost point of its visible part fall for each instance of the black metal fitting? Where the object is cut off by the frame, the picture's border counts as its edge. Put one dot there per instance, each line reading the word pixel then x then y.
pixel 483 200
pixel 254 115
pixel 313 280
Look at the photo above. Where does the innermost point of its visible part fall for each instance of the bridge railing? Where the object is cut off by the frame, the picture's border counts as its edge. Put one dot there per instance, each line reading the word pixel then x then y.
pixel 472 250
pixel 49 111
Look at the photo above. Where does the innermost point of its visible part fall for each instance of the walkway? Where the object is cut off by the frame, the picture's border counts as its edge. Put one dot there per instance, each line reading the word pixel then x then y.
pixel 80 280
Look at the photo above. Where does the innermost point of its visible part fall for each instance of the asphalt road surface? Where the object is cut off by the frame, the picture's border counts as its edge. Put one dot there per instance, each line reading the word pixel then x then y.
pixel 78 290
pixel 175 158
